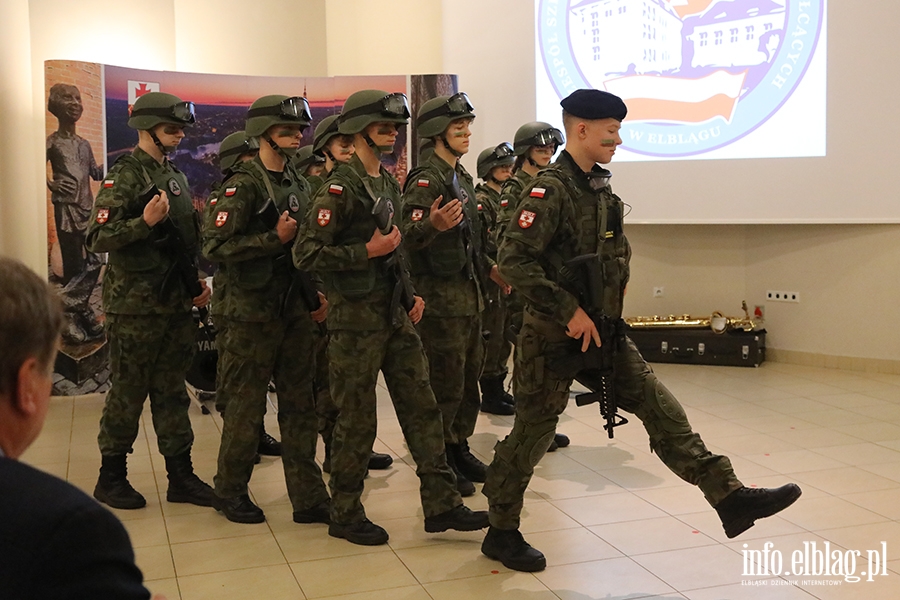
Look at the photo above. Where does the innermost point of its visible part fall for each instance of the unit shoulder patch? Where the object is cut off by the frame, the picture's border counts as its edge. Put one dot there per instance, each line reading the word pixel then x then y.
pixel 526 219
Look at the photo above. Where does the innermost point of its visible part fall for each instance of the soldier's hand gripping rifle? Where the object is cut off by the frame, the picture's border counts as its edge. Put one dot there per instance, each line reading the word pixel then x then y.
pixel 301 282
pixel 404 292
pixel 595 368
pixel 169 240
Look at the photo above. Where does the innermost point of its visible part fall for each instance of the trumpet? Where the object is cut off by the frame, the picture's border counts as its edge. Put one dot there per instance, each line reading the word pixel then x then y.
pixel 718 322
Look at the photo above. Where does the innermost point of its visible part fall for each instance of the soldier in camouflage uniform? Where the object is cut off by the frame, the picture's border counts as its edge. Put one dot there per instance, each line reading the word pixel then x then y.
pixel 450 268
pixel 569 211
pixel 534 145
pixel 309 164
pixel 333 147
pixel 266 330
pixel 148 309
pixel 370 331
pixel 495 167
pixel 235 149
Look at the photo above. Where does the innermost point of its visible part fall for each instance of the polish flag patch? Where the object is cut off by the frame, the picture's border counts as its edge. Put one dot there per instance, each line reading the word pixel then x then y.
pixel 229 192
pixel 213 201
pixel 422 183
pixel 221 218
pixel 108 183
pixel 537 192
pixel 335 189
pixel 324 217
pixel 504 202
pixel 417 214
pixel 480 207
pixel 526 219
pixel 102 215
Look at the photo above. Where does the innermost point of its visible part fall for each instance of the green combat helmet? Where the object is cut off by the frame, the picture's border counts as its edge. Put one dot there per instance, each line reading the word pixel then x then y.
pixel 497 156
pixel 325 131
pixel 305 157
pixel 372 106
pixel 436 114
pixel 536 133
pixel 273 110
pixel 233 147
pixel 155 108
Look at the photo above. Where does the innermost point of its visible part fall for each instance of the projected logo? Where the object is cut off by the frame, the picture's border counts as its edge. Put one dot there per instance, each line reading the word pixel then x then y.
pixel 696 75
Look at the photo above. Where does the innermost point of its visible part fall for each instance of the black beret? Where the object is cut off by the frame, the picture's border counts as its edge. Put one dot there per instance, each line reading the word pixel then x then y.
pixel 594 104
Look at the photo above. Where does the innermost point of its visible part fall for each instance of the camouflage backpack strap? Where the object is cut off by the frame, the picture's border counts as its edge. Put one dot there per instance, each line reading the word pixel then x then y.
pixel 265 178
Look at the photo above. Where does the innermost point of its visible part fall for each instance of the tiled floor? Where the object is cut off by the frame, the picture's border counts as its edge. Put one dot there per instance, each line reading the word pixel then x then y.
pixel 613 522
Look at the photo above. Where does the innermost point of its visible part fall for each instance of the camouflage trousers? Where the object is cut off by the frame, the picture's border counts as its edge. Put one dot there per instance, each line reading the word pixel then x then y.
pixel 326 409
pixel 148 355
pixel 455 350
pixel 497 348
pixel 250 354
pixel 541 395
pixel 354 359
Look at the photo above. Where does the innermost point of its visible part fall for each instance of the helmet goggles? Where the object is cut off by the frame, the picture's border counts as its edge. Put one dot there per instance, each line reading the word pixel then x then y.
pixel 295 108
pixel 457 105
pixel 392 106
pixel 181 113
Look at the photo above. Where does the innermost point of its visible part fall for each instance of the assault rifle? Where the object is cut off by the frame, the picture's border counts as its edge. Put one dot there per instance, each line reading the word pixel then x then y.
pixel 404 293
pixel 301 282
pixel 473 257
pixel 595 368
pixel 170 241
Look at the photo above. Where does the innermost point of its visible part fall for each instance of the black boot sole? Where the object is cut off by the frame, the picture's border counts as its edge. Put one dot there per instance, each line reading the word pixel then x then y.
pixel 183 498
pixel 529 567
pixel 440 527
pixel 336 532
pixel 101 496
pixel 746 521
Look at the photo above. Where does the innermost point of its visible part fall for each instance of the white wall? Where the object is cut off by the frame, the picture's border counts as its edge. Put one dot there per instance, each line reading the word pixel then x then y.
pixel 847 275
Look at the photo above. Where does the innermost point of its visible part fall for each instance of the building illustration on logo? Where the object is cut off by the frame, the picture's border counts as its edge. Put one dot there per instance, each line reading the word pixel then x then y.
pixel 698 74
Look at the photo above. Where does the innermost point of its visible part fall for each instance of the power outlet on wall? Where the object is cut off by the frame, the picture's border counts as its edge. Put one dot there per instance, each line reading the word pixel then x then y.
pixel 780 296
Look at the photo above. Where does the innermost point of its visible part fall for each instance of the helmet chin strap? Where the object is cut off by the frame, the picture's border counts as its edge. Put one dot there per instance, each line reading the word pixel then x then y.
pixel 165 151
pixel 278 149
pixel 455 153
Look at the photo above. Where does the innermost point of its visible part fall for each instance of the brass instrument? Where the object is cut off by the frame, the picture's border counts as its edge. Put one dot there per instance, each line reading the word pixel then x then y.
pixel 718 322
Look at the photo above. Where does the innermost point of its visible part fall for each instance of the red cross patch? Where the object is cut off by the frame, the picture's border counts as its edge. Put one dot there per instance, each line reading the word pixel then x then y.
pixel 221 218
pixel 229 192
pixel 537 192
pixel 417 214
pixel 324 217
pixel 526 219
pixel 102 215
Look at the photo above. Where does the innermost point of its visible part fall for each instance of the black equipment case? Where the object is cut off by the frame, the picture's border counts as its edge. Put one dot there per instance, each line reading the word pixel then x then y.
pixel 701 346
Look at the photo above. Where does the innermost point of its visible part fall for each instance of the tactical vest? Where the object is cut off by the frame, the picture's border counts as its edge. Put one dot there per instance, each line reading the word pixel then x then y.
pixel 594 220
pixel 446 255
pixel 358 284
pixel 147 257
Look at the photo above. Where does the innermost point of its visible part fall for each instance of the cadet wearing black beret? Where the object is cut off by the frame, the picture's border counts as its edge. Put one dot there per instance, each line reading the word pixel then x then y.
pixel 594 104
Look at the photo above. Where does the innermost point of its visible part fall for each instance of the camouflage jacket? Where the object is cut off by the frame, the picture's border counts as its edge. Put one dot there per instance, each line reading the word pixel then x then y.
pixel 509 200
pixel 450 276
pixel 254 268
pixel 331 243
pixel 138 262
pixel 559 218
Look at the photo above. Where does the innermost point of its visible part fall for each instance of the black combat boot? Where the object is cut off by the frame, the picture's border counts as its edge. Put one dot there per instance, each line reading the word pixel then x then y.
pixel 559 441
pixel 364 533
pixel 379 461
pixel 743 506
pixel 467 463
pixel 268 446
pixel 463 485
pixel 239 509
pixel 494 399
pixel 510 548
pixel 113 488
pixel 460 518
pixel 320 513
pixel 184 485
